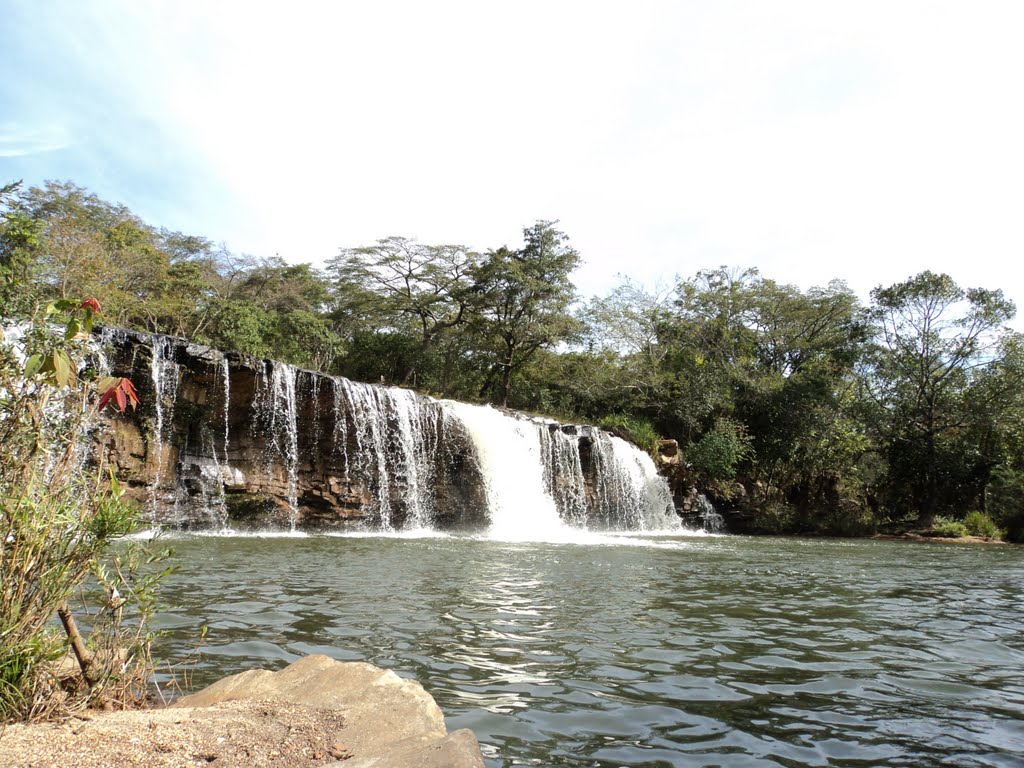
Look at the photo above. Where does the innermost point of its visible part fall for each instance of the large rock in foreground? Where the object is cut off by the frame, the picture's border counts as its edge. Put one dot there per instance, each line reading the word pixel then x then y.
pixel 315 712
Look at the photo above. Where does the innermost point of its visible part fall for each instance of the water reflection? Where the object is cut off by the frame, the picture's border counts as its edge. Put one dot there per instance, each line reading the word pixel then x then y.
pixel 717 651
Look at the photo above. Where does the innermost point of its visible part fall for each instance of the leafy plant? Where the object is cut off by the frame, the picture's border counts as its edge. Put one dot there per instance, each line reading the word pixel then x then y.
pixel 719 452
pixel 60 519
pixel 948 529
pixel 980 524
pixel 636 430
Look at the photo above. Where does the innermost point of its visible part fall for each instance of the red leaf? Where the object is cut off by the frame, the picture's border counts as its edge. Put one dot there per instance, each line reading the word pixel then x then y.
pixel 129 389
pixel 91 304
pixel 120 391
pixel 105 398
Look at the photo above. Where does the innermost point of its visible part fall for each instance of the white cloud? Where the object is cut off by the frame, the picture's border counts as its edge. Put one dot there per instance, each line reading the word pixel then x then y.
pixel 21 141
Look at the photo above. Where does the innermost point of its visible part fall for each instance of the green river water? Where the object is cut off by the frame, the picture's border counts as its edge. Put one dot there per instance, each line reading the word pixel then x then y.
pixel 678 651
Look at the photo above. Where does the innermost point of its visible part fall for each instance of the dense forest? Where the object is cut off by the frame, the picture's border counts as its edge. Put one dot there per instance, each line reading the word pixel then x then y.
pixel 807 409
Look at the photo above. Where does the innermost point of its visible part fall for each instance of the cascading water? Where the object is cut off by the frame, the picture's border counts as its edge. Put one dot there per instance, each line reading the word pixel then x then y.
pixel 512 464
pixel 325 451
pixel 278 407
pixel 165 376
pixel 710 519
pixel 630 494
pixel 397 435
pixel 537 487
pixel 226 371
pixel 209 481
pixel 563 472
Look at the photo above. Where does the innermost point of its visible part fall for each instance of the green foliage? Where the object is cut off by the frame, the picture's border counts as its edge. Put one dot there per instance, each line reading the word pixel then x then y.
pixel 773 516
pixel 403 287
pixel 980 524
pixel 381 356
pixel 635 429
pixel 850 517
pixel 718 454
pixel 934 343
pixel 306 339
pixel 949 529
pixel 1006 501
pixel 526 297
pixel 58 524
pixel 20 239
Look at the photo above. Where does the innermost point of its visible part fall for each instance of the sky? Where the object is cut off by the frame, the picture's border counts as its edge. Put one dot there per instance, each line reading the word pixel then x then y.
pixel 813 140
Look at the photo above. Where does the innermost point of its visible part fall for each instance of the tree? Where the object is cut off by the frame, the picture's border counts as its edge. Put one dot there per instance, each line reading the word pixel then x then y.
pixel 267 308
pixel 776 364
pixel 935 341
pixel 795 397
pixel 20 240
pixel 627 326
pixel 404 287
pixel 709 348
pixel 795 330
pixel 84 245
pixel 526 300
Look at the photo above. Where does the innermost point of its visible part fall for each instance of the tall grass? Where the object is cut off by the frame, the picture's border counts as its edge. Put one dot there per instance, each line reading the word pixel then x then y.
pixel 636 430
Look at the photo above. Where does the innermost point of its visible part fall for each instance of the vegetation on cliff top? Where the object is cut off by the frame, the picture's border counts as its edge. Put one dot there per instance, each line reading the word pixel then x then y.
pixel 806 408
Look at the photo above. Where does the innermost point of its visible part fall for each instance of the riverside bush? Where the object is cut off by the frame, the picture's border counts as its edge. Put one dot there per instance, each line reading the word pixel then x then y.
pixel 980 524
pixel 60 517
pixel 719 452
pixel 949 529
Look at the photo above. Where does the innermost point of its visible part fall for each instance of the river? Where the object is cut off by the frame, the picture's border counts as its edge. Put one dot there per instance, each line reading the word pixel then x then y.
pixel 633 651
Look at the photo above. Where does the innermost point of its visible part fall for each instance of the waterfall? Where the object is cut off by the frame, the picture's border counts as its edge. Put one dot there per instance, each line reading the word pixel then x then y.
pixel 277 407
pixel 630 493
pixel 208 478
pixel 226 371
pixel 536 485
pixel 710 519
pixel 324 451
pixel 397 435
pixel 211 475
pixel 510 452
pixel 164 376
pixel 562 467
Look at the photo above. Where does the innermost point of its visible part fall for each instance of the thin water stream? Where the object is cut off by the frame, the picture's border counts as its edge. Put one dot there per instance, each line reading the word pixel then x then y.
pixel 633 651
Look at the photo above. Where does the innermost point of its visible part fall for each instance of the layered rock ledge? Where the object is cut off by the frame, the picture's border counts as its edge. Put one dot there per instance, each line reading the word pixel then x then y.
pixel 314 712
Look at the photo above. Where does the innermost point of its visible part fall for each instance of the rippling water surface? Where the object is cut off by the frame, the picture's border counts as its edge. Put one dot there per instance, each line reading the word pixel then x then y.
pixel 662 652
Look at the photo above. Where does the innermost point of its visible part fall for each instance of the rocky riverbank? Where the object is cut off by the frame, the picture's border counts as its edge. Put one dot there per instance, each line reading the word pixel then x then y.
pixel 314 712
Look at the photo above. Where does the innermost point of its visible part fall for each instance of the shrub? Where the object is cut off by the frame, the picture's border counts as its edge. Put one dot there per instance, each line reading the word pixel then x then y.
pixel 773 517
pixel 59 517
pixel 948 529
pixel 719 452
pixel 636 430
pixel 980 524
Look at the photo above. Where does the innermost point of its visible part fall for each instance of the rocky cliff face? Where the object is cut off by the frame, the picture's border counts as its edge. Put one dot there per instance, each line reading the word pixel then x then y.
pixel 230 440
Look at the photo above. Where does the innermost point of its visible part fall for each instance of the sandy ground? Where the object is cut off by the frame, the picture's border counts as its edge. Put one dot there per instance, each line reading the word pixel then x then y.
pixel 235 733
pixel 911 536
